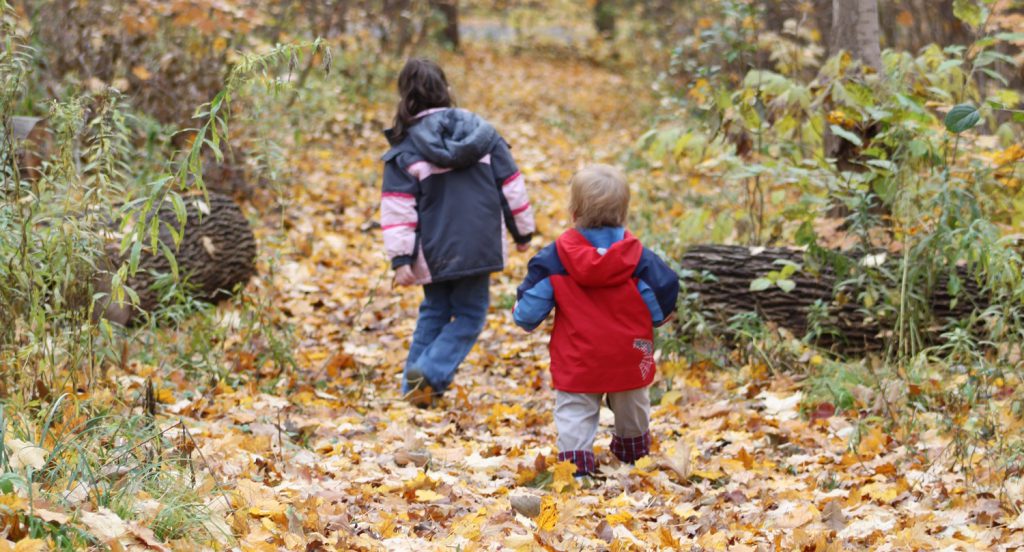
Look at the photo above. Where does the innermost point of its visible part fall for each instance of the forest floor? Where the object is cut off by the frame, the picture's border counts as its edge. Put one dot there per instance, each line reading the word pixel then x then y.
pixel 334 456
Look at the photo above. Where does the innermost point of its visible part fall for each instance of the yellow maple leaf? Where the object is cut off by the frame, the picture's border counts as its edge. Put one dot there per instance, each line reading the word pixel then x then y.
pixel 426 495
pixel 265 509
pixel 12 503
pixel 872 443
pixel 644 464
pixel 709 475
pixel 387 525
pixel 619 518
pixel 882 492
pixel 421 481
pixel 469 525
pixel 672 397
pixel 24 545
pixel 548 517
pixel 667 539
pixel 564 472
pixel 164 395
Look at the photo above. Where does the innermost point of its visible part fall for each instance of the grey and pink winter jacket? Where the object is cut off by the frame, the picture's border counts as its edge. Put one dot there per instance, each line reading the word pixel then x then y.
pixel 450 191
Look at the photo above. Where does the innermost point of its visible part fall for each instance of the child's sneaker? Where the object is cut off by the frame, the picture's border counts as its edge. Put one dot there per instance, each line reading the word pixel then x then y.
pixel 420 393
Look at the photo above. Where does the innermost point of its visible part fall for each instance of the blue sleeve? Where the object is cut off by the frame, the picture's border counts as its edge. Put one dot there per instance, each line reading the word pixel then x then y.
pixel 534 306
pixel 535 297
pixel 544 264
pixel 652 302
pixel 663 281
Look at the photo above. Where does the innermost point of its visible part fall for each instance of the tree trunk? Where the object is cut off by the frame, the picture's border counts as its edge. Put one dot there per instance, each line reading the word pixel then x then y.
pixel 847 326
pixel 855 29
pixel 604 18
pixel 217 254
pixel 450 10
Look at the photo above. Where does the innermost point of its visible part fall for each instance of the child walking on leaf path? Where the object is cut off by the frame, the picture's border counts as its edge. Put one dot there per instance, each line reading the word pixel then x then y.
pixel 608 292
pixel 451 190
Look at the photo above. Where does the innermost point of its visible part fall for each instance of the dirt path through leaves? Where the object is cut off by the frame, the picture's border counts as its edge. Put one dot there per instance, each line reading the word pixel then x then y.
pixel 335 459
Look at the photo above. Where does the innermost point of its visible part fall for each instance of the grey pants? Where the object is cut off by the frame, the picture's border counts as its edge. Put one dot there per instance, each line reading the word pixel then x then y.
pixel 576 417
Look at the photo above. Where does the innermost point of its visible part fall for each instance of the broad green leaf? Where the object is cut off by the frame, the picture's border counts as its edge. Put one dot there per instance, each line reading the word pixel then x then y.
pixel 135 256
pixel 846 135
pixel 962 117
pixel 1009 37
pixel 988 57
pixel 882 164
pixel 949 64
pixel 995 75
pixel 806 235
pixel 172 260
pixel 984 42
pixel 179 208
pixel 760 284
pixel 918 148
pixel 786 285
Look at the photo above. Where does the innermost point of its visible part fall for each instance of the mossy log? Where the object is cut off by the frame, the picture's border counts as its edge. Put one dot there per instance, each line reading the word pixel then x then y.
pixel 217 255
pixel 848 327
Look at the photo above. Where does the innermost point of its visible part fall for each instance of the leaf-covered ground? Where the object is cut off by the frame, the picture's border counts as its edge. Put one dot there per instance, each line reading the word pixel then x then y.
pixel 334 458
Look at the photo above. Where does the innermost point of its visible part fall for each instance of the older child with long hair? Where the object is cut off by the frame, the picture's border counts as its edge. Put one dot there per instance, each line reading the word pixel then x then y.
pixel 451 189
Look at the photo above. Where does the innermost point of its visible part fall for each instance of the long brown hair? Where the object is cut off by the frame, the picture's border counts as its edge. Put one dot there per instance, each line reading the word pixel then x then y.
pixel 421 85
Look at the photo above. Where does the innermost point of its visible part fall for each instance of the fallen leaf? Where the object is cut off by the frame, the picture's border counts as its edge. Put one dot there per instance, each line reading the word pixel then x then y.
pixel 104 524
pixel 832 516
pixel 25 455
pixel 141 73
pixel 679 459
pixel 564 476
pixel 619 518
pixel 780 406
pixel 527 505
pixel 146 535
pixel 791 515
pixel 548 517
pixel 418 458
pixel 823 411
pixel 50 516
pixel 744 457
pixel 427 495
pixel 872 443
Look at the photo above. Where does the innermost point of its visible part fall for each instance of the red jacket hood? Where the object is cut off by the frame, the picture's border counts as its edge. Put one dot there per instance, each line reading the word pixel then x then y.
pixel 589 268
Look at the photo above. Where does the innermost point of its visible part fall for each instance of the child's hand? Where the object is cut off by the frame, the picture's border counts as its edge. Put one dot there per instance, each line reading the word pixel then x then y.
pixel 522 247
pixel 404 276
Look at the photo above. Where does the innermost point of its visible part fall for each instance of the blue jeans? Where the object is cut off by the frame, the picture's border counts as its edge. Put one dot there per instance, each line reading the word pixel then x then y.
pixel 451 317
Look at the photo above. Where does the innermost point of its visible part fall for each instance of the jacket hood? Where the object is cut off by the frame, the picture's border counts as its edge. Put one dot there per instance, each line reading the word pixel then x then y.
pixel 453 138
pixel 590 268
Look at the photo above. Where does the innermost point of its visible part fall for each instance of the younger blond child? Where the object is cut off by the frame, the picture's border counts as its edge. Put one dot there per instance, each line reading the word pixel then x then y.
pixel 608 292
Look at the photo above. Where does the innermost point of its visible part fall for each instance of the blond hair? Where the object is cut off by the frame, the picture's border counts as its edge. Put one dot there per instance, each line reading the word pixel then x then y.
pixel 599 196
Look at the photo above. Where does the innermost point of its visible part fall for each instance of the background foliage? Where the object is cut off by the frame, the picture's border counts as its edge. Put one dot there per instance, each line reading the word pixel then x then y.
pixel 722 111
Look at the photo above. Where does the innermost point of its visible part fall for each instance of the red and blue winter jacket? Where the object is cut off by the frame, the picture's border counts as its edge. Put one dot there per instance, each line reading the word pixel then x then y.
pixel 451 189
pixel 608 292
